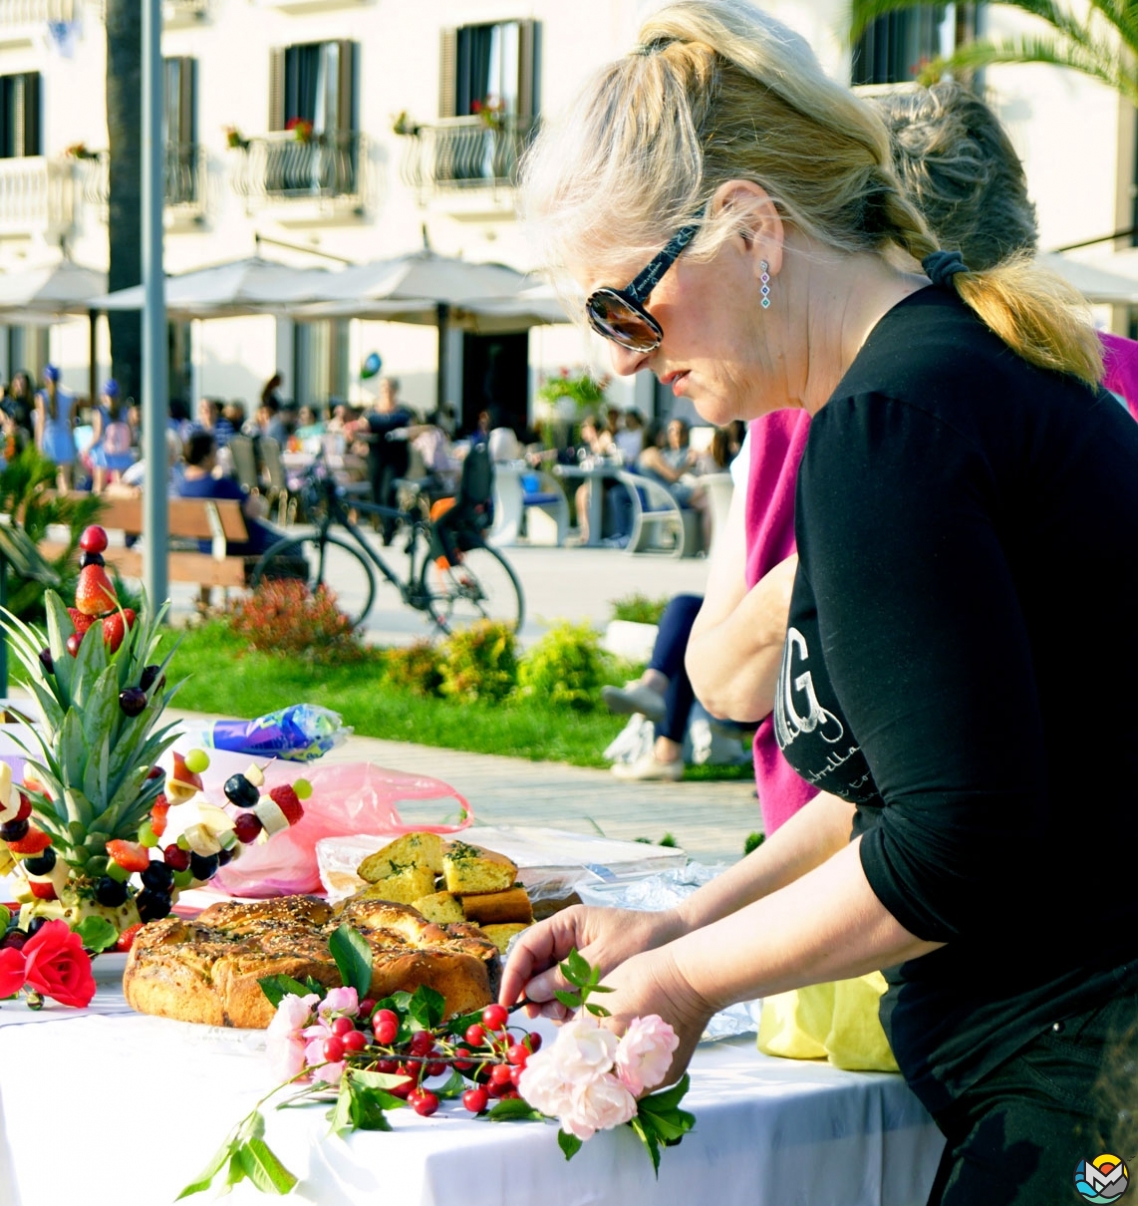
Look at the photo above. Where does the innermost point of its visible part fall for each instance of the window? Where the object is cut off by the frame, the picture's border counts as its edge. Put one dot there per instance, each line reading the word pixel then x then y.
pixel 181 131
pixel 896 46
pixel 315 83
pixel 489 64
pixel 21 131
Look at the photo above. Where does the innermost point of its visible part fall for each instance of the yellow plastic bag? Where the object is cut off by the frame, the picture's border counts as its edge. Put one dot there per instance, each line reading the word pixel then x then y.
pixel 836 1021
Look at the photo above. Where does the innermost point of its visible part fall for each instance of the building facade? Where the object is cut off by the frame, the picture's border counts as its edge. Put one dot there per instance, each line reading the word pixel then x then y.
pixel 333 131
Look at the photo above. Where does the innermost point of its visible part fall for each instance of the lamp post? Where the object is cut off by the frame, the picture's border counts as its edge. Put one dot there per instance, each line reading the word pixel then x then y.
pixel 154 374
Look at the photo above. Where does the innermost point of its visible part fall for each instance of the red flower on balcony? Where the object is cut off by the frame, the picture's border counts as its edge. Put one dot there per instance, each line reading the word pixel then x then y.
pixel 301 128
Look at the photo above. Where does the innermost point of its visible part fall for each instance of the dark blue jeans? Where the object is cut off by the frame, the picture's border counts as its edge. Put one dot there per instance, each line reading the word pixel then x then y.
pixel 668 658
pixel 1017 1137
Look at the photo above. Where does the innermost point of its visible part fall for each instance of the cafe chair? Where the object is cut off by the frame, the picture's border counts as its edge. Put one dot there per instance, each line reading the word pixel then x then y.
pixel 658 521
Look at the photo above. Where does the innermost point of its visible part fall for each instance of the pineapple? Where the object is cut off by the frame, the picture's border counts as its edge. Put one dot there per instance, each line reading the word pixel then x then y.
pixel 88 775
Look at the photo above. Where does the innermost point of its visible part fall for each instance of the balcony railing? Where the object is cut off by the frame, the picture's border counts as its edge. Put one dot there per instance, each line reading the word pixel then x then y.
pixel 281 168
pixel 185 177
pixel 35 12
pixel 465 152
pixel 36 196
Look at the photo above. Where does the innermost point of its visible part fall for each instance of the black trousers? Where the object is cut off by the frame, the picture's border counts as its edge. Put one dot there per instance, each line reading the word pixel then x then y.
pixel 1071 1095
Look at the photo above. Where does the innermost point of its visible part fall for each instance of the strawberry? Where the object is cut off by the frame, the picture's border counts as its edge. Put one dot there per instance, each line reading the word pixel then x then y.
pixel 126 938
pixel 130 856
pixel 182 784
pixel 286 799
pixel 115 627
pixel 81 622
pixel 158 815
pixel 94 593
pixel 25 809
pixel 42 889
pixel 35 841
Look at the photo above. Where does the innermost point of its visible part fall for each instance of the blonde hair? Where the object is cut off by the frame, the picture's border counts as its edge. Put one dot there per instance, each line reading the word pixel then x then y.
pixel 719 91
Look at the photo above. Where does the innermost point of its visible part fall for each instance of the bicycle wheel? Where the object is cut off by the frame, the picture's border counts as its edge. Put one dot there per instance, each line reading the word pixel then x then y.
pixel 482 586
pixel 329 562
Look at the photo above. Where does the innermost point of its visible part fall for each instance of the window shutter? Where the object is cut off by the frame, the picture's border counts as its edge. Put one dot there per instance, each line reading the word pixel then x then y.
pixel 187 102
pixel 527 69
pixel 346 101
pixel 448 72
pixel 30 132
pixel 277 88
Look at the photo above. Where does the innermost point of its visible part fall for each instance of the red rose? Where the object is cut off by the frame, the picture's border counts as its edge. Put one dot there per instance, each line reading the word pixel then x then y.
pixel 11 971
pixel 56 965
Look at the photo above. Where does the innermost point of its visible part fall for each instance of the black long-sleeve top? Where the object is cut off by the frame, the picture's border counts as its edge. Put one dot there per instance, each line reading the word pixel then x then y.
pixel 962 664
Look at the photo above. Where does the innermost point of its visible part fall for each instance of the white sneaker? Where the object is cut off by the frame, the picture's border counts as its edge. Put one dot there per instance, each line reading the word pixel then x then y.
pixel 634 697
pixel 649 767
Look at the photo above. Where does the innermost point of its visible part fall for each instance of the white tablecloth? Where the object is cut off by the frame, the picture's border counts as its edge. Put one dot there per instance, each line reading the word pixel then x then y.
pixel 103 1107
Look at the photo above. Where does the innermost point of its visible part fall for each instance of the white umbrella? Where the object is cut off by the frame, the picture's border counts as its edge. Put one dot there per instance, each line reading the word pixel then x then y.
pixel 48 292
pixel 240 287
pixel 410 288
pixel 1112 281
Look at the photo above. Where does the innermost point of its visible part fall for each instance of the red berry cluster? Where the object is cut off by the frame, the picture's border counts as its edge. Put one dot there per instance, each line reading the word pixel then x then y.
pixel 485 1052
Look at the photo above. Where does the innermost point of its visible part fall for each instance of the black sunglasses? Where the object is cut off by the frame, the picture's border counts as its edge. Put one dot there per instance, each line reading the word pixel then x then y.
pixel 618 314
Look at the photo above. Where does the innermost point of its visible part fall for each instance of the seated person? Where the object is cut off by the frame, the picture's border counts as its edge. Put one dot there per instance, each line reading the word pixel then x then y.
pixel 197 481
pixel 596 441
pixel 669 458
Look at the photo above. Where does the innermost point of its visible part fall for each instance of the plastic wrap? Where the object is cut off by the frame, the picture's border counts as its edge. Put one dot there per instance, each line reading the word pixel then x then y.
pixel 551 863
pixel 663 891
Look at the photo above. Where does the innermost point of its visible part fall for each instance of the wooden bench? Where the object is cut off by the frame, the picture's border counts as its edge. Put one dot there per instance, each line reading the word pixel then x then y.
pixel 219 521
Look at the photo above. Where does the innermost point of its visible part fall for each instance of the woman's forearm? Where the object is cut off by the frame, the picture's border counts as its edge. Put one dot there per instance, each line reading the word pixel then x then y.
pixel 733 664
pixel 807 840
pixel 826 925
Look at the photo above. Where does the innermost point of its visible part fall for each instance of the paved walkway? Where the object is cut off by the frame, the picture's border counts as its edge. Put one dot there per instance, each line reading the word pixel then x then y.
pixel 709 820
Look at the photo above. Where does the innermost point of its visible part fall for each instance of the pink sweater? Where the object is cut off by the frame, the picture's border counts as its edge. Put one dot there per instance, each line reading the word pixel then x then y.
pixel 777 443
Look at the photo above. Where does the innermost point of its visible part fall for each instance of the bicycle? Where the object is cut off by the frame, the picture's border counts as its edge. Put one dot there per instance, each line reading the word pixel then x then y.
pixel 456 580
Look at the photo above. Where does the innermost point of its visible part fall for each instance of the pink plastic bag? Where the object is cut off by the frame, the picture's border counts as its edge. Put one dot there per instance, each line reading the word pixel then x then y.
pixel 349 798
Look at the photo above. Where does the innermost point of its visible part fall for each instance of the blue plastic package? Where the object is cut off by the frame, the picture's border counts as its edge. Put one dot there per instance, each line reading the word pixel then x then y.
pixel 298 733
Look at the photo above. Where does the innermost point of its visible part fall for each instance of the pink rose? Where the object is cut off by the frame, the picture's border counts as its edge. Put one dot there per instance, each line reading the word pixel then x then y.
pixel 285 1038
pixel 583 1050
pixel 598 1105
pixel 542 1085
pixel 317 1036
pixel 12 975
pixel 644 1053
pixel 56 965
pixel 340 1002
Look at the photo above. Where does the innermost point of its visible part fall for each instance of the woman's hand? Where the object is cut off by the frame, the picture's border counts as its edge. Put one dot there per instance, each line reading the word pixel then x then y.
pixel 651 983
pixel 605 937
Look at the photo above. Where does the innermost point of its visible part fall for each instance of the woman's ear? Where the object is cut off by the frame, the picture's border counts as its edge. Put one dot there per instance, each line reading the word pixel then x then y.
pixel 759 229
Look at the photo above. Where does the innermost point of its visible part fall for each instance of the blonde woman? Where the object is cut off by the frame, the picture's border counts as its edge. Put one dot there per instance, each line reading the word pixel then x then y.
pixel 961 698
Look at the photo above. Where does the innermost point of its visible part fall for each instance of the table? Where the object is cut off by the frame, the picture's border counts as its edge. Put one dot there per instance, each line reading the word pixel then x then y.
pixel 103 1107
pixel 595 475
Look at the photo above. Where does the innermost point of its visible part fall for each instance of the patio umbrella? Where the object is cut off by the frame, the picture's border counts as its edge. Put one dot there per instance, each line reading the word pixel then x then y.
pixel 1112 280
pixel 49 292
pixel 239 287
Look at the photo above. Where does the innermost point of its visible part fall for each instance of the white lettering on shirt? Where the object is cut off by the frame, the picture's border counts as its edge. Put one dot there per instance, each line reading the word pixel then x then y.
pixel 797 686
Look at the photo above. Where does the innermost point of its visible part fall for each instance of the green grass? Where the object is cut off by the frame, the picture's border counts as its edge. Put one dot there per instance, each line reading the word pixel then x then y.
pixel 223 677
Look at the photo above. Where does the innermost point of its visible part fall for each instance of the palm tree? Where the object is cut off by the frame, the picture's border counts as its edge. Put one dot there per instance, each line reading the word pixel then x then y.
pixel 1103 44
pixel 124 140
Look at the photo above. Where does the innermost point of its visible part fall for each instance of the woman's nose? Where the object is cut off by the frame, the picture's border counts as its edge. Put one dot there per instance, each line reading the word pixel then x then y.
pixel 625 362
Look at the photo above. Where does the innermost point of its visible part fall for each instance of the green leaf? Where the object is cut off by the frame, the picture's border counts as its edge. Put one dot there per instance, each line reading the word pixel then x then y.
pixel 571 1000
pixel 236 1172
pixel 598 1011
pixel 367 1108
pixel 454 1087
pixel 648 1138
pixel 379 1081
pixel 264 1169
pixel 204 1179
pixel 427 1007
pixel 276 988
pixel 340 1115
pixel 353 957
pixel 667 1099
pixel 576 968
pixel 97 933
pixel 569 1144
pixel 514 1109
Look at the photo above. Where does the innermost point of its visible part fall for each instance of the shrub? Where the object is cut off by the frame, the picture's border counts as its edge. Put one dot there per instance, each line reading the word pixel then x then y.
pixel 566 667
pixel 479 662
pixel 417 669
pixel 285 618
pixel 639 609
pixel 753 842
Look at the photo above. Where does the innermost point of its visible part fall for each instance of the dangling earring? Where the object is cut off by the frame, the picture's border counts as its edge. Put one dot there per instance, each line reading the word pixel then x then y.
pixel 766 284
